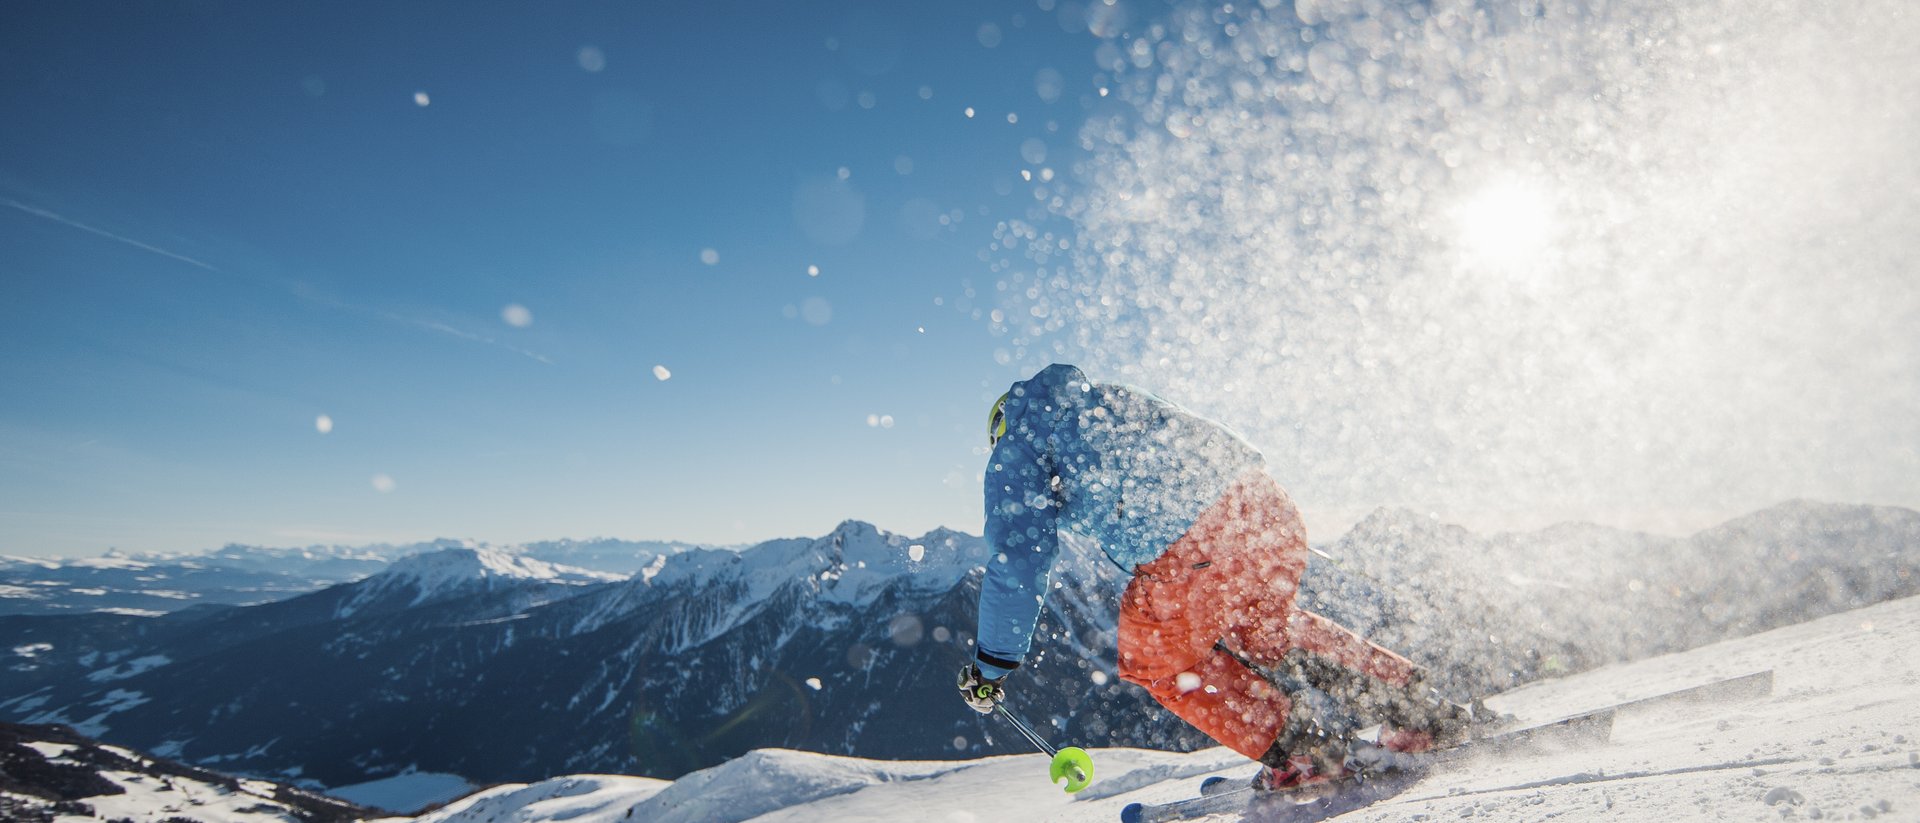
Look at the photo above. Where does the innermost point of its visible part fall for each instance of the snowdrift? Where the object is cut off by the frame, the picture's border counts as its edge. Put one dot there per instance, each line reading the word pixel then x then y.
pixel 1839 738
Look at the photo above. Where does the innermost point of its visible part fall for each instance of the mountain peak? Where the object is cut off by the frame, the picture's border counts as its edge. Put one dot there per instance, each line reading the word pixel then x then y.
pixel 436 574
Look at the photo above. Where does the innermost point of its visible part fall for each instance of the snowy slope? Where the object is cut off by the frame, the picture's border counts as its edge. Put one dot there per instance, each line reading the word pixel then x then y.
pixel 49 773
pixel 1839 738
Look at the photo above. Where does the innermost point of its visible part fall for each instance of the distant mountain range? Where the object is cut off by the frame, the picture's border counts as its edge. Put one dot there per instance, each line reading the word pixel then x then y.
pixel 498 666
pixel 236 575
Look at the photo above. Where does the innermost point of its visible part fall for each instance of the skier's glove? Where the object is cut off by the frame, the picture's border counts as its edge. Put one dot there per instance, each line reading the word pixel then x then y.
pixel 980 693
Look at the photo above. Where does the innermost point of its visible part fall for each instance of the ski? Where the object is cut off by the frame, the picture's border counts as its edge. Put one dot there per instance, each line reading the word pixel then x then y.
pixel 1400 771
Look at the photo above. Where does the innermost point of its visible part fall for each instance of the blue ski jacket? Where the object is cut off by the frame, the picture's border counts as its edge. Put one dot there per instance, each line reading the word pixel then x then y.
pixel 1106 461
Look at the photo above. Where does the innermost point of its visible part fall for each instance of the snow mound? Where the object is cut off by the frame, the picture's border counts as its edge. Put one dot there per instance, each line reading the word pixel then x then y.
pixel 768 780
pixel 582 798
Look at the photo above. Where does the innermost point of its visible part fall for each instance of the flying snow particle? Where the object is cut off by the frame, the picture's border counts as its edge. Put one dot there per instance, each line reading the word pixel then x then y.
pixel 517 316
pixel 941 635
pixel 886 421
pixel 383 483
pixel 916 552
pixel 591 59
pixel 829 210
pixel 323 424
pixel 906 630
pixel 421 99
pixel 960 743
pixel 1013 117
pixel 926 92
pixel 1186 681
pixel 969 112
pixel 1507 223
pixel 813 271
pixel 1033 150
pixel 710 257
pixel 873 421
pixel 813 683
pixel 1049 84
pixel 1099 677
pixel 989 35
pixel 660 373
pixel 816 311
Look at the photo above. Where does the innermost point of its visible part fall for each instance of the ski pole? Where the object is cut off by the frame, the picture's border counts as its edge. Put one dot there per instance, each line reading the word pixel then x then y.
pixel 1072 762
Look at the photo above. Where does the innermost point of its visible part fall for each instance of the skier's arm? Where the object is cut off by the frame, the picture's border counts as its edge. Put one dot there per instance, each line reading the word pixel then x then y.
pixel 1022 520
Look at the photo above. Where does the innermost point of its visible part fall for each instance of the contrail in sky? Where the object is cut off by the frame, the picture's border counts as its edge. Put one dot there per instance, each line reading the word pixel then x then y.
pixel 296 289
pixel 43 213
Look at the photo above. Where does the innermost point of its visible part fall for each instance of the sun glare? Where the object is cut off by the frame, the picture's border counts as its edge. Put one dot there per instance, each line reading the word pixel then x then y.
pixel 1507 223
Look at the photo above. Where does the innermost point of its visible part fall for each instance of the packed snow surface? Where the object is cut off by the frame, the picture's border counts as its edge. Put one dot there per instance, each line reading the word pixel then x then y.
pixel 1839 738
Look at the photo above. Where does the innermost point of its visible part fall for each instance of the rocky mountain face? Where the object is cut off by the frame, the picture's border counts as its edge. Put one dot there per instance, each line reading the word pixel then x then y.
pixel 506 669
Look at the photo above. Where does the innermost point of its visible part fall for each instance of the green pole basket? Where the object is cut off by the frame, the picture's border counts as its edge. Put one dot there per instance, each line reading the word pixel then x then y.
pixel 1074 765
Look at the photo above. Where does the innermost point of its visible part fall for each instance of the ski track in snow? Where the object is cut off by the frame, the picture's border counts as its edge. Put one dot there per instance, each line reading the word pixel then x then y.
pixel 1839 738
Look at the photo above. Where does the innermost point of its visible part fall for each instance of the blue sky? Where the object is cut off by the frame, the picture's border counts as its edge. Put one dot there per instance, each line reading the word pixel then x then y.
pixel 1501 266
pixel 221 221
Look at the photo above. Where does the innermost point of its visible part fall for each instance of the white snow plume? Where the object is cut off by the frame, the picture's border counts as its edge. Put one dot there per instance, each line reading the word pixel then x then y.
pixel 1644 262
pixel 1838 738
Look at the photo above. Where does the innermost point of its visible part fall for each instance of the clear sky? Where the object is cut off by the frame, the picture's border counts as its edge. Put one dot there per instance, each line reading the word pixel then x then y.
pixel 221 221
pixel 283 273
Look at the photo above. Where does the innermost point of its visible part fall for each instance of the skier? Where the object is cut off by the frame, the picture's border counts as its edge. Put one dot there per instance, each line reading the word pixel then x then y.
pixel 1208 624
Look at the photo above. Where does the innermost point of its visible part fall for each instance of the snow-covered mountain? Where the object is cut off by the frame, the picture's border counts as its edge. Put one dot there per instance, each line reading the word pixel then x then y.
pixel 497 669
pixel 49 773
pixel 151 584
pixel 457 572
pixel 1838 738
pixel 238 575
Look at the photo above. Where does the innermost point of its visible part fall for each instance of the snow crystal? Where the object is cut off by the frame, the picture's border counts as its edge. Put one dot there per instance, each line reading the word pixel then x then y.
pixel 591 59
pixel 516 315
pixel 323 424
pixel 813 271
pixel 969 112
pixel 661 373
pixel 709 257
pixel 916 552
pixel 421 99
pixel 813 683
pixel 383 483
pixel 1186 681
